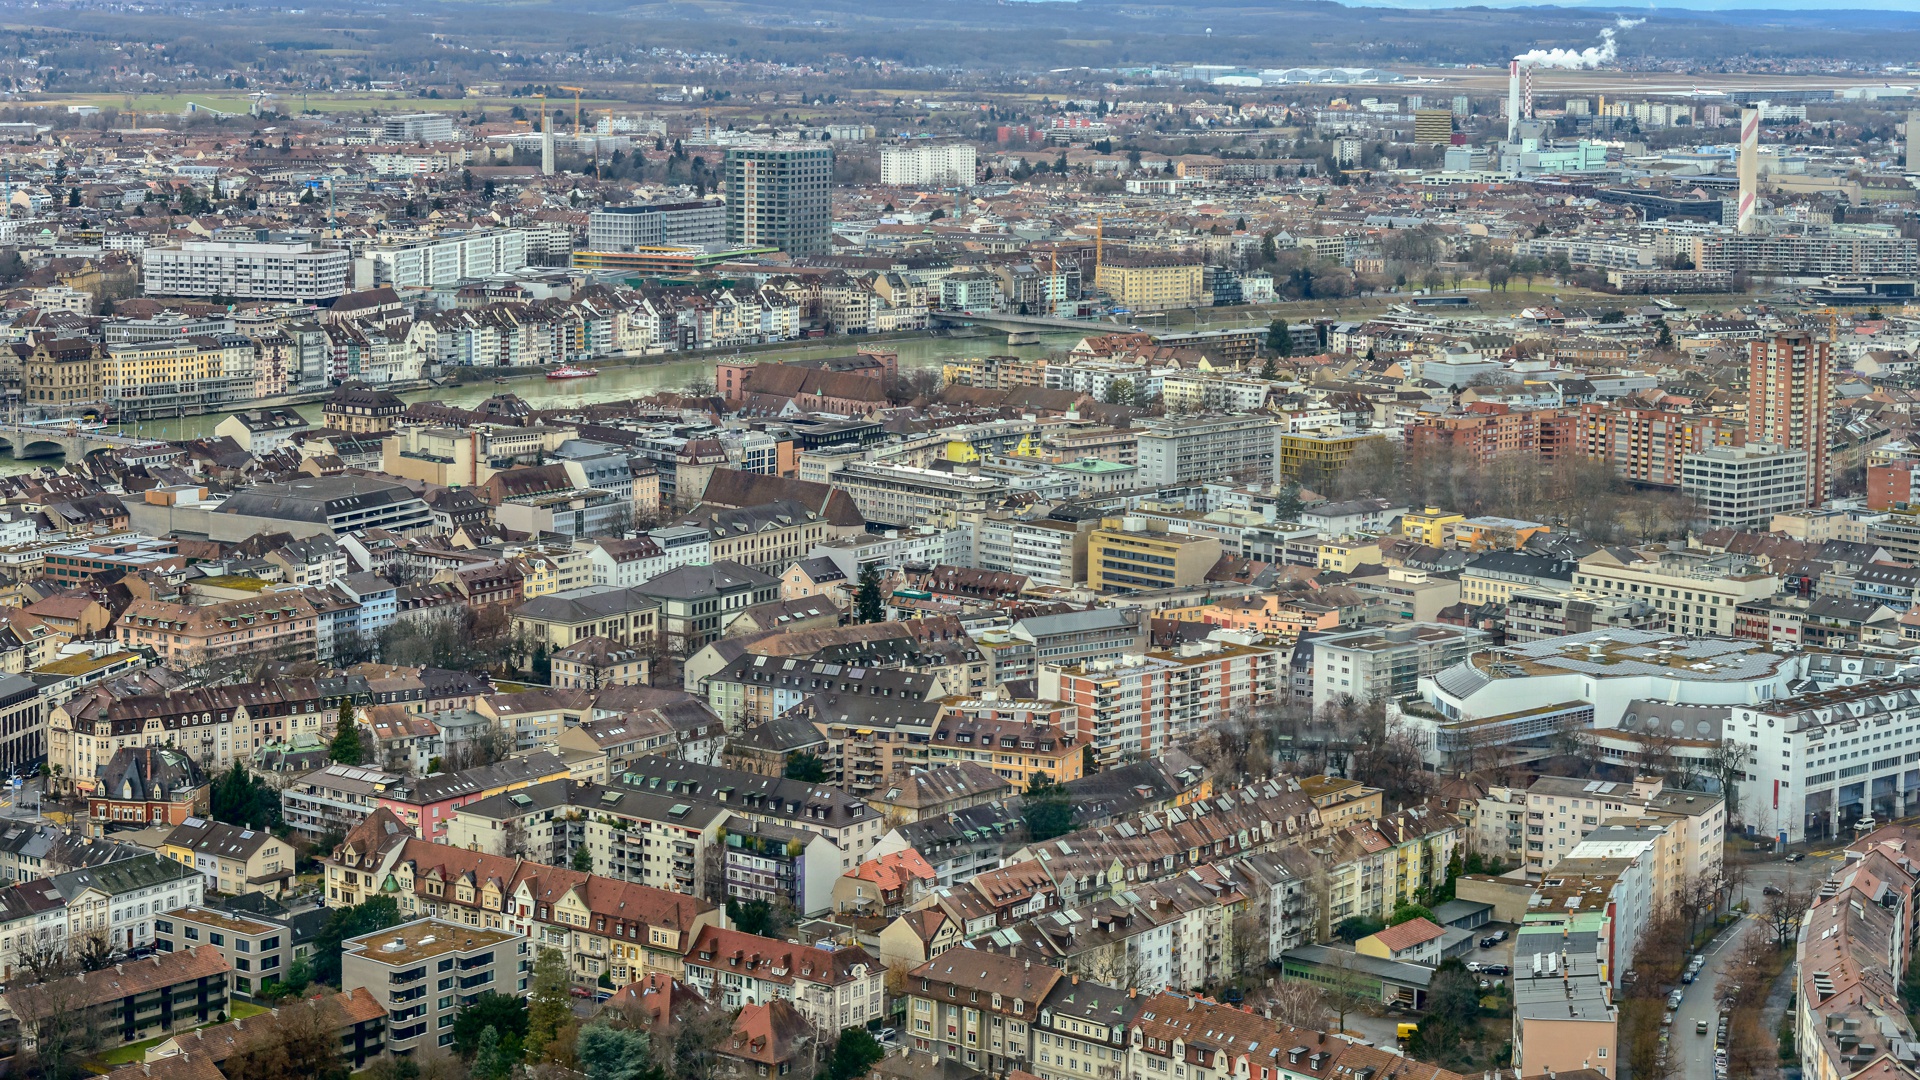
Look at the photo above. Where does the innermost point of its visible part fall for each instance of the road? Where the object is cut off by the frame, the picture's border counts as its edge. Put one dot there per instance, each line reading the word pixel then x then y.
pixel 1701 1002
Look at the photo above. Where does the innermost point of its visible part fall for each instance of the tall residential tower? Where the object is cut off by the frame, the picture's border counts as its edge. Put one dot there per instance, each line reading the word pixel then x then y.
pixel 1789 378
pixel 778 196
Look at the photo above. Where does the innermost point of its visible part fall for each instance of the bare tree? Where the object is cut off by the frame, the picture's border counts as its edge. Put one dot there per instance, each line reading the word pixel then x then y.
pixel 1782 910
pixel 1348 992
pixel 1301 1003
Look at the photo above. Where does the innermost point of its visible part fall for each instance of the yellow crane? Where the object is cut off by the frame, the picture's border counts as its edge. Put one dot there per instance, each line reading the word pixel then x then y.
pixel 577 91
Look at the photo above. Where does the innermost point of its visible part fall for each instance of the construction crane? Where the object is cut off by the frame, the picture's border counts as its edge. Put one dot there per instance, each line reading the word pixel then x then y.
pixel 577 91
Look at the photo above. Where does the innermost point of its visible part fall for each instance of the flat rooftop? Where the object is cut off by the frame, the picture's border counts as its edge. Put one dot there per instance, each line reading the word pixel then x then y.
pixel 424 939
pixel 1616 653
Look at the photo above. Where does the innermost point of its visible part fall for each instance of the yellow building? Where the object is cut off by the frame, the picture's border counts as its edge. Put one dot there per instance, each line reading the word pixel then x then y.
pixel 1342 802
pixel 1327 450
pixel 1128 555
pixel 1428 526
pixel 1152 282
pixel 1345 556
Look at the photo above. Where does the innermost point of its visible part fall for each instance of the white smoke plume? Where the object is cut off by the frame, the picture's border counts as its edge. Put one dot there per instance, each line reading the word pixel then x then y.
pixel 1602 53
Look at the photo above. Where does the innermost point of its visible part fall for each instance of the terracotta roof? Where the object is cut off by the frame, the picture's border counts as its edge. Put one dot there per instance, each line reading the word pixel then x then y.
pixel 1406 935
pixel 114 983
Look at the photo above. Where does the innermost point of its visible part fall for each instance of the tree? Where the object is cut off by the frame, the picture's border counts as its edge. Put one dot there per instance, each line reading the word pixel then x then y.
pixel 1279 338
pixel 377 913
pixel 346 748
pixel 582 859
pixel 854 1053
pixel 868 605
pixel 300 1045
pixel 609 1053
pixel 1453 1011
pixel 751 916
pixel 1347 992
pixel 1727 763
pixel 502 1014
pixel 1120 392
pixel 1047 809
pixel 490 1061
pixel 1299 1003
pixel 804 766
pixel 548 1004
pixel 1780 912
pixel 1407 912
pixel 240 798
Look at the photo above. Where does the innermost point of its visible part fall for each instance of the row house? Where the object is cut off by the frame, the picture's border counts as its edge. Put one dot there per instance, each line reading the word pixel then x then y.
pixel 1178 932
pixel 1148 846
pixel 617 929
pixel 215 725
pixel 833 987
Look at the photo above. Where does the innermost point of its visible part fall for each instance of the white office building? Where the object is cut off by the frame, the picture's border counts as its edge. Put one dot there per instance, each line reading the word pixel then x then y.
pixel 246 270
pixel 417 127
pixel 1742 487
pixel 442 260
pixel 1820 763
pixel 650 225
pixel 942 164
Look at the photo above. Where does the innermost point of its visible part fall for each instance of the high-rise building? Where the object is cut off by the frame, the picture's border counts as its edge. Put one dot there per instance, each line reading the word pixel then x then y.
pixel 948 164
pixel 1789 378
pixel 778 196
pixel 1433 126
pixel 1462 105
pixel 1913 141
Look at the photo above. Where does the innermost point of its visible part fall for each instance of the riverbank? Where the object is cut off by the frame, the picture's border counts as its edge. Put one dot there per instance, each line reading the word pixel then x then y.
pixel 620 379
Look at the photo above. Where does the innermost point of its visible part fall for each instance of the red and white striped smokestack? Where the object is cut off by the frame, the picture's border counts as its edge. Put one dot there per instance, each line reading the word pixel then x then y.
pixel 1749 168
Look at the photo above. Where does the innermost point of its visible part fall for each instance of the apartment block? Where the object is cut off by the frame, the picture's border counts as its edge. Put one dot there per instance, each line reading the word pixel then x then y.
pixel 1175 450
pixel 1387 664
pixel 425 971
pixel 939 164
pixel 1143 706
pixel 1789 387
pixel 296 270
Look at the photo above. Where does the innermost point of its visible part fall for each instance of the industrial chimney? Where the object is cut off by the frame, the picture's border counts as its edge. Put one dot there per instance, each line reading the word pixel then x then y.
pixel 1749 167
pixel 1513 100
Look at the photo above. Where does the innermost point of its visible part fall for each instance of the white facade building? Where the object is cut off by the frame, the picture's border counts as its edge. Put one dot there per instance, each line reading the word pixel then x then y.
pixel 1742 487
pixel 945 164
pixel 445 260
pixel 245 270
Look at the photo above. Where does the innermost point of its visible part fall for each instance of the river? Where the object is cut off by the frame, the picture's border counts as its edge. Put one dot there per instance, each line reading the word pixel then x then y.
pixel 616 382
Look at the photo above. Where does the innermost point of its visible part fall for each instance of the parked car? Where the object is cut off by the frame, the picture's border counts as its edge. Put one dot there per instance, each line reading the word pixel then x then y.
pixel 1796 856
pixel 1233 996
pixel 1499 970
pixel 1687 976
pixel 1489 941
